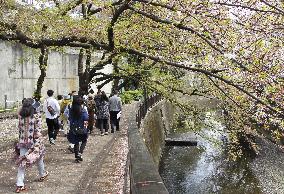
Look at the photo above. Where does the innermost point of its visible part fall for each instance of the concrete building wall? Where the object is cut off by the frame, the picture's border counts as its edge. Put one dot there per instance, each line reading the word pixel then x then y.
pixel 20 71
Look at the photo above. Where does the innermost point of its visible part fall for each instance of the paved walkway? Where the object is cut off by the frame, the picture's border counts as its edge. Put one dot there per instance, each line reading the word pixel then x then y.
pixel 102 171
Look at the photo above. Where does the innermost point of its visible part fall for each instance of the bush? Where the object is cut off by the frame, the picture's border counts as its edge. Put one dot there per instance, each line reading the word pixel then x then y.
pixel 128 96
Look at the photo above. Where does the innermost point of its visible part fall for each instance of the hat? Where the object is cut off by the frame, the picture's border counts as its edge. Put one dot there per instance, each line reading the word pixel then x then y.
pixel 90 96
pixel 66 97
pixel 35 104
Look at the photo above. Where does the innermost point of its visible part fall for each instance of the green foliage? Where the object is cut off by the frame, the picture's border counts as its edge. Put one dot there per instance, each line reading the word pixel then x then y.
pixel 219 50
pixel 128 96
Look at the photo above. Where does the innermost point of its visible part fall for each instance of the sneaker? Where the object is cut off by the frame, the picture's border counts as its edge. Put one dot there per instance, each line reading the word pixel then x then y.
pixel 102 134
pixel 21 189
pixel 71 149
pixel 106 133
pixel 52 141
pixel 79 158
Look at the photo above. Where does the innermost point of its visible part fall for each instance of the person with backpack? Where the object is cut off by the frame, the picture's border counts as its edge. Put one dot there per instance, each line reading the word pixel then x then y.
pixel 103 114
pixel 30 148
pixel 78 119
pixel 52 111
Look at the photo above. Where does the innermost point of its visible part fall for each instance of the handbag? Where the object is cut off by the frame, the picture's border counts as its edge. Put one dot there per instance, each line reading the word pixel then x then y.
pixel 77 130
pixel 50 109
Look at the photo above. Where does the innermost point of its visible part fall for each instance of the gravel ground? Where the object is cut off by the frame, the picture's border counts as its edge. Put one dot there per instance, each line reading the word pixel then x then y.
pixel 8 130
pixel 102 171
pixel 268 167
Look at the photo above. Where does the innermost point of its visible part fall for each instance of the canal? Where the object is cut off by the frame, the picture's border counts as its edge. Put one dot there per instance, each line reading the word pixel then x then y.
pixel 205 168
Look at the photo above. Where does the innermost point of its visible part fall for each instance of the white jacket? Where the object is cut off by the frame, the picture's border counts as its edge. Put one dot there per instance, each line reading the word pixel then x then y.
pixel 50 101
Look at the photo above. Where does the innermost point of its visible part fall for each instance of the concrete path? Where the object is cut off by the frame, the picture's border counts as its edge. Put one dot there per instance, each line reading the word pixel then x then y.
pixel 102 171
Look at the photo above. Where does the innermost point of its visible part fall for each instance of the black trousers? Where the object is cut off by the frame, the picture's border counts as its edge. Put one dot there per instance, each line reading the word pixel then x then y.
pixel 114 121
pixel 103 124
pixel 80 149
pixel 52 127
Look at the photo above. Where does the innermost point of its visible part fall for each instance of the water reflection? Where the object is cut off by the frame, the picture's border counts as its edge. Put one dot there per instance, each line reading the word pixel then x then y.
pixel 204 168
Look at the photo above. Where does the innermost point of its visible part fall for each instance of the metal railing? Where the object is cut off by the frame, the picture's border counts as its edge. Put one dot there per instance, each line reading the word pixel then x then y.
pixel 9 104
pixel 145 105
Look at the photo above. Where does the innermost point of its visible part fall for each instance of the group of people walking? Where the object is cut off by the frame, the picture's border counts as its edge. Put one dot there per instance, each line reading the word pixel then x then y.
pixel 108 109
pixel 76 115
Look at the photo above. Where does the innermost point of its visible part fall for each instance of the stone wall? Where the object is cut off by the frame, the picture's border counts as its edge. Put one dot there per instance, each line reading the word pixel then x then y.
pixel 155 126
pixel 20 71
pixel 143 172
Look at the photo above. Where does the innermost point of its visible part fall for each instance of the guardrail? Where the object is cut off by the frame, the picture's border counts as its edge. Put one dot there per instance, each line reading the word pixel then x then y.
pixel 10 105
pixel 144 106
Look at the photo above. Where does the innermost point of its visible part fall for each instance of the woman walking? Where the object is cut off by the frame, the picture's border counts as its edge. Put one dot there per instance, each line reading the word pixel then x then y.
pixel 30 148
pixel 91 111
pixel 103 114
pixel 78 118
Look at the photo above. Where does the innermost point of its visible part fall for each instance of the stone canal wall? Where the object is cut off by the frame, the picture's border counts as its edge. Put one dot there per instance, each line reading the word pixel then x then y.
pixel 155 126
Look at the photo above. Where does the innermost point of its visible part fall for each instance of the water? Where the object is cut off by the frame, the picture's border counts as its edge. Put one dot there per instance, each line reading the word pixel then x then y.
pixel 205 169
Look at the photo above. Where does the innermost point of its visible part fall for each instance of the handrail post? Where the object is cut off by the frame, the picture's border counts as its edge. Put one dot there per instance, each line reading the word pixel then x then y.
pixel 5 100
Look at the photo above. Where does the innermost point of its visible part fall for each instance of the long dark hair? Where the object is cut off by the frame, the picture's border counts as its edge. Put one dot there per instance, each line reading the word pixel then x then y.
pixel 27 109
pixel 76 108
pixel 104 97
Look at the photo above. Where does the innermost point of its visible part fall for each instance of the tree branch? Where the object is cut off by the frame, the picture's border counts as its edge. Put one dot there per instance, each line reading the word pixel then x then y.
pixel 272 6
pixel 247 7
pixel 177 25
pixel 205 72
pixel 224 92
pixel 114 19
pixel 182 27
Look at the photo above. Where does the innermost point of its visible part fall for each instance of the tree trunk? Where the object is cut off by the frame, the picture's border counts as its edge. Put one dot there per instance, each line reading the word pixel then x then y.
pixel 42 66
pixel 116 71
pixel 81 70
pixel 87 70
pixel 84 76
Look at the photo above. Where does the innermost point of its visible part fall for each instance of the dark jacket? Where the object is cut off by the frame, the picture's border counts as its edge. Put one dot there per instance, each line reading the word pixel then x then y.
pixel 78 122
pixel 102 110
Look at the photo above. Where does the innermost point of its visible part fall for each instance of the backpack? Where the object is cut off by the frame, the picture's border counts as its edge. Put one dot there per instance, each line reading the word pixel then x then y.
pixel 50 109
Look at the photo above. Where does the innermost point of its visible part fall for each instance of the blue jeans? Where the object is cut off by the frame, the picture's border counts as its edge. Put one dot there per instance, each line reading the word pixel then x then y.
pixel 21 170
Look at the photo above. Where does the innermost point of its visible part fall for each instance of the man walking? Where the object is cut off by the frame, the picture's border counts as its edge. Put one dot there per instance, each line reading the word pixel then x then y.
pixel 52 110
pixel 115 111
